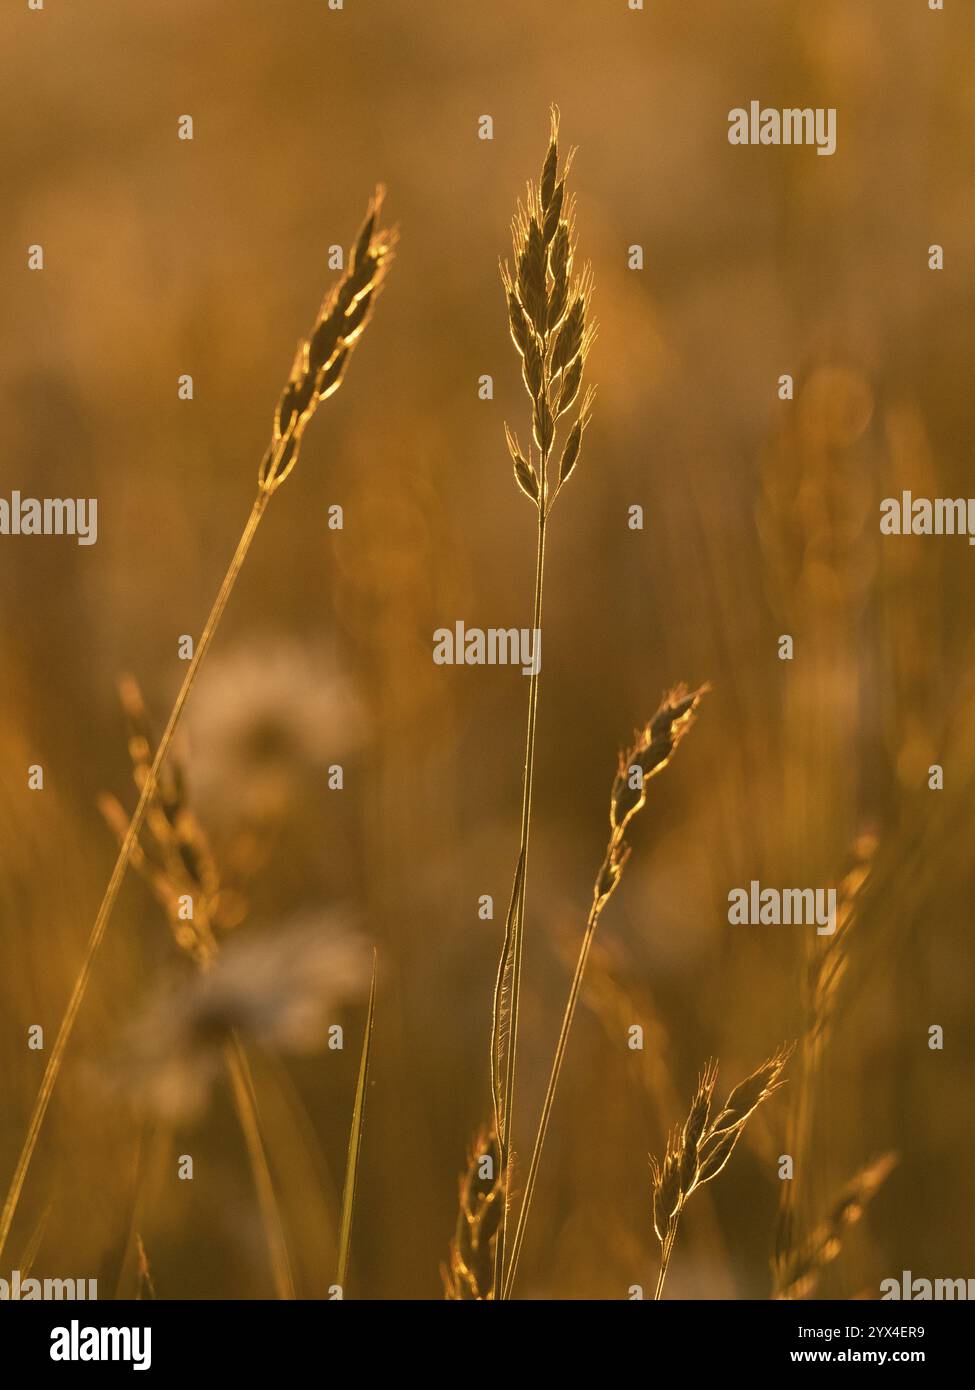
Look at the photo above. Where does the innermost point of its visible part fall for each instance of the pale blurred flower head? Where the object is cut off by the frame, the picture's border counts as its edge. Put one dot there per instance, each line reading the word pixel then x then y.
pixel 266 713
pixel 278 990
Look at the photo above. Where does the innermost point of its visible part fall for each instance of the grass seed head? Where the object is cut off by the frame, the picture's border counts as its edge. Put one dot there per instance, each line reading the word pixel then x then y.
pixel 469 1274
pixel 695 1125
pixel 665 1178
pixel 549 319
pixel 651 751
pixel 798 1267
pixel 322 358
pixel 700 1149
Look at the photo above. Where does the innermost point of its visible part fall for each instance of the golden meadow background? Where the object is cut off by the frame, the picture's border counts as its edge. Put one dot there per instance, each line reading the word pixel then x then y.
pixel 164 257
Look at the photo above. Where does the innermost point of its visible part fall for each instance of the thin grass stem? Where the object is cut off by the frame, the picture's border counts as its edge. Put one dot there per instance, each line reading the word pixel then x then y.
pixel 549 1101
pixel 245 1105
pixel 666 1250
pixel 53 1068
pixel 519 898
pixel 355 1138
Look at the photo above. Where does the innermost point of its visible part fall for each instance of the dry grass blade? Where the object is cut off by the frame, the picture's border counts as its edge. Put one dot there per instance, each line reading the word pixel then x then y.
pixel 548 316
pixel 355 1138
pixel 651 751
pixel 699 1150
pixel 469 1275
pixel 316 374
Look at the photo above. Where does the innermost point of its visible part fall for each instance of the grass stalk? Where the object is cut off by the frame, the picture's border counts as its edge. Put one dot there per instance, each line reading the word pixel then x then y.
pixel 666 1250
pixel 355 1139
pixel 518 905
pixel 699 1150
pixel 317 372
pixel 245 1105
pixel 547 317
pixel 53 1069
pixel 549 1100
pixel 650 754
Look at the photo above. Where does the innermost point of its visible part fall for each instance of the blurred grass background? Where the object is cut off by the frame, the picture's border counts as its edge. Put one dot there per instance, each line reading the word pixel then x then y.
pixel 165 257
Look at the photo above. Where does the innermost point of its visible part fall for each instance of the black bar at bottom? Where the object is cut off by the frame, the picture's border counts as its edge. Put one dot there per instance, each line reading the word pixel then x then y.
pixel 168 1339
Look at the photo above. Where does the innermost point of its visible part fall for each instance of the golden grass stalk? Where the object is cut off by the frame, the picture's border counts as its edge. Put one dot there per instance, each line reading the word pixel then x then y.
pixel 798 1268
pixel 174 857
pixel 699 1150
pixel 548 316
pixel 355 1138
pixel 826 966
pixel 245 1106
pixel 316 374
pixel 469 1275
pixel 650 753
